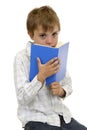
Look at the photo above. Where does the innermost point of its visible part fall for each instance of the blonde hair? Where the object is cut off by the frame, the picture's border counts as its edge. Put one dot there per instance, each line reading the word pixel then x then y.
pixel 44 16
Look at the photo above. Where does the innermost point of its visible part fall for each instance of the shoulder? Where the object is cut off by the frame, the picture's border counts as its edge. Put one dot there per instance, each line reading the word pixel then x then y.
pixel 20 55
pixel 23 55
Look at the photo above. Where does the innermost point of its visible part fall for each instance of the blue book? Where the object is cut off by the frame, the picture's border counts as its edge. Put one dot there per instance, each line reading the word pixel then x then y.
pixel 45 54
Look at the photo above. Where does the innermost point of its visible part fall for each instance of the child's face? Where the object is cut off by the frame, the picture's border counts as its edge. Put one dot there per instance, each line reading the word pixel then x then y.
pixel 48 38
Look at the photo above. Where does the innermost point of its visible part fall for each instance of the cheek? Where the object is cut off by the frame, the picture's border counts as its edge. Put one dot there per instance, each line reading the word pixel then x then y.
pixel 36 39
pixel 55 41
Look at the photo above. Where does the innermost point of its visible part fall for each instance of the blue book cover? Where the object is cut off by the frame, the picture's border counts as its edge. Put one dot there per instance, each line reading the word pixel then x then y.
pixel 46 53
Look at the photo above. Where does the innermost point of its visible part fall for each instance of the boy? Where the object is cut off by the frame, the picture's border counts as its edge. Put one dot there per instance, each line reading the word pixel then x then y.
pixel 41 107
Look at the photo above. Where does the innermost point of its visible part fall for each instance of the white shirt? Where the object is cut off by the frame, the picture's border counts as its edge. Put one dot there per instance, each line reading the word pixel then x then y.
pixel 35 101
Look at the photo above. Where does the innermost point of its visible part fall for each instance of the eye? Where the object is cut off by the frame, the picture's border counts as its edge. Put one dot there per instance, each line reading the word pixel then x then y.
pixel 55 34
pixel 43 36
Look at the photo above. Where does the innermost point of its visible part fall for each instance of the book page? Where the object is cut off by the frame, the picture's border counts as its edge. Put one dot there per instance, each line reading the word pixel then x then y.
pixel 59 44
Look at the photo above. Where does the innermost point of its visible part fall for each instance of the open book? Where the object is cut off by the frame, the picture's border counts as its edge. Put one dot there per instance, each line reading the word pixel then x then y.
pixel 46 53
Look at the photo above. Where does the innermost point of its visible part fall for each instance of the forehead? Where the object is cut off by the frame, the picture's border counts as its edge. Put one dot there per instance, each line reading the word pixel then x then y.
pixel 41 29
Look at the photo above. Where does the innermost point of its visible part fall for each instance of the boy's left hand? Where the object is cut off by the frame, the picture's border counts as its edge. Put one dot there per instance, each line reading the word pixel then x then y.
pixel 57 90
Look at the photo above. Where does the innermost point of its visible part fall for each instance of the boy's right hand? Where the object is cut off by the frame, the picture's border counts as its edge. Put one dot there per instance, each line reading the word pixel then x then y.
pixel 47 69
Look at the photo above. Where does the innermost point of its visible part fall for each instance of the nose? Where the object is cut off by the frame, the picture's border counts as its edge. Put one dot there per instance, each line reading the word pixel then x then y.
pixel 49 40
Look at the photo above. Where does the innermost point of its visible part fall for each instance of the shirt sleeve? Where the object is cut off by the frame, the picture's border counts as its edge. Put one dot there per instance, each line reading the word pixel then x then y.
pixel 67 84
pixel 25 90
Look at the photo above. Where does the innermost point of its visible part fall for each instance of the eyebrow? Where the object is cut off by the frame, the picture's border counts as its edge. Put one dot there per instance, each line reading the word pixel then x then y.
pixel 55 31
pixel 46 32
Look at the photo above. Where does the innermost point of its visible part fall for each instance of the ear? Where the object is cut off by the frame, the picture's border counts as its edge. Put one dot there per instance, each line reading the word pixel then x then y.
pixel 31 35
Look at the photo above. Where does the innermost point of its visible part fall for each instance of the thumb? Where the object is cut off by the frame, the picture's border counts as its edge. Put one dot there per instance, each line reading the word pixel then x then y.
pixel 38 61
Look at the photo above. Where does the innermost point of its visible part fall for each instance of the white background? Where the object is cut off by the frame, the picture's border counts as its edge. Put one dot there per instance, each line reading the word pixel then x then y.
pixel 13 38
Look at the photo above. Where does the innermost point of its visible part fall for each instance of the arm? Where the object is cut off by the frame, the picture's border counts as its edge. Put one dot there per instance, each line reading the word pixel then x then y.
pixel 66 84
pixel 25 90
pixel 63 88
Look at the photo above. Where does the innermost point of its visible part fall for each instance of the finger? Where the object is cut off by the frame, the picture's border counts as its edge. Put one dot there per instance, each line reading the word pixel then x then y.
pixel 52 60
pixel 54 83
pixel 56 68
pixel 55 63
pixel 54 92
pixel 55 86
pixel 59 61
